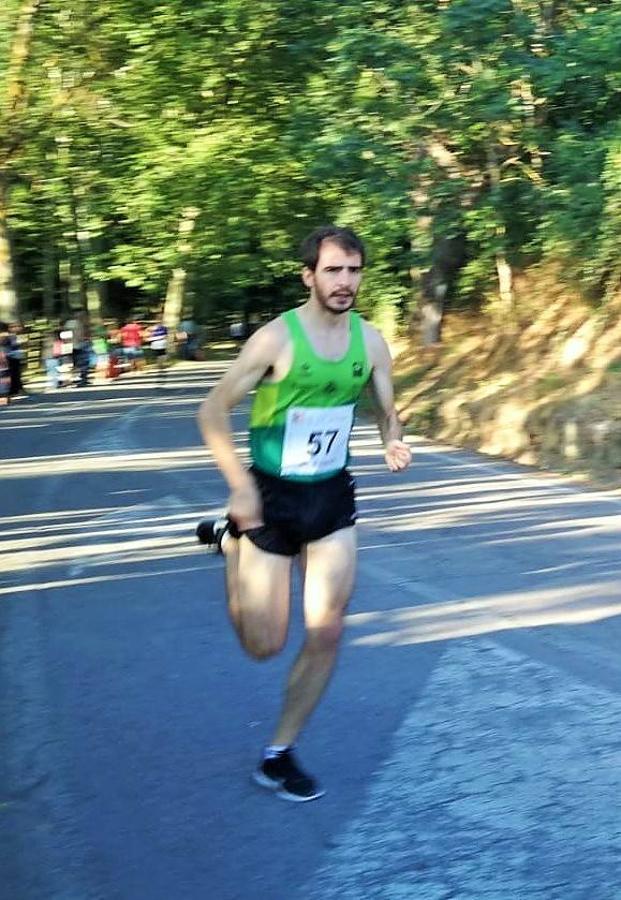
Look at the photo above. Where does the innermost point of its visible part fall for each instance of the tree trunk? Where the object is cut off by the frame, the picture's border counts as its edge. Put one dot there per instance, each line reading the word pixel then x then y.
pixel 448 256
pixel 93 290
pixel 78 279
pixel 94 302
pixel 173 304
pixel 503 268
pixel 20 51
pixel 11 109
pixel 8 295
pixel 77 295
pixel 505 282
pixel 175 293
pixel 49 279
pixel 431 314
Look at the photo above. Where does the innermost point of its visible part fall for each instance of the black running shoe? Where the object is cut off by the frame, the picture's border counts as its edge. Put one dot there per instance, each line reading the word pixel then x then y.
pixel 211 532
pixel 283 775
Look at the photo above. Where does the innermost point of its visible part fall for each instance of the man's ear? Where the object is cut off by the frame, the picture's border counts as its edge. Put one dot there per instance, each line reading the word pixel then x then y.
pixel 308 277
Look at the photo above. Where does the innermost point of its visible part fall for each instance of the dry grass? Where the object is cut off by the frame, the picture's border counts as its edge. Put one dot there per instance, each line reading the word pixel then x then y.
pixel 542 389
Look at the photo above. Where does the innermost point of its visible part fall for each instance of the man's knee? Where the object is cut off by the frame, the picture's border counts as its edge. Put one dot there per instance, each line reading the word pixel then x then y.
pixel 325 637
pixel 262 649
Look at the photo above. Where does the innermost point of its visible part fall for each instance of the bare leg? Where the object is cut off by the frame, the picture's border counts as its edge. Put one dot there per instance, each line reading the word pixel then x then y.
pixel 231 555
pixel 329 579
pixel 258 596
pixel 161 369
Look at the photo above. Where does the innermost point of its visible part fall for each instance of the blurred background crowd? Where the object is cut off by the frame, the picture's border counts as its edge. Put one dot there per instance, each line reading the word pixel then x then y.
pixel 75 352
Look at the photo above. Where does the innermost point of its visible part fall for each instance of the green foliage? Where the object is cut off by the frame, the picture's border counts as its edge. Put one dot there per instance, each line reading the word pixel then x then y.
pixel 210 137
pixel 549 383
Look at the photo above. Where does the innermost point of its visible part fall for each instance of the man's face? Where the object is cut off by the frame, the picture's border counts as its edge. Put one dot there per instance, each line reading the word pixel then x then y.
pixel 336 279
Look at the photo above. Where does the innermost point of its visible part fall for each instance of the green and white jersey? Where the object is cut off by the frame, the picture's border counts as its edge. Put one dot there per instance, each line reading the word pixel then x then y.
pixel 300 426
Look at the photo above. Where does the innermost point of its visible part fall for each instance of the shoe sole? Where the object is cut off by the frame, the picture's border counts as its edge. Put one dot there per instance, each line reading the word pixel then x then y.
pixel 277 788
pixel 213 545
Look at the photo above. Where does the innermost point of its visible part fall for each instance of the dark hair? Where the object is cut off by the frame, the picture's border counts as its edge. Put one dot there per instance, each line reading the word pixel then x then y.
pixel 344 238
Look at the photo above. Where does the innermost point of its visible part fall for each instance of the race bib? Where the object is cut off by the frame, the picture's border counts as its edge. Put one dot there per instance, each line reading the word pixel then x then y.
pixel 316 439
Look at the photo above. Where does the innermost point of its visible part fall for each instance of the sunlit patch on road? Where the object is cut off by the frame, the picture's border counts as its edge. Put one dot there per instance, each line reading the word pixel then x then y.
pixel 502 782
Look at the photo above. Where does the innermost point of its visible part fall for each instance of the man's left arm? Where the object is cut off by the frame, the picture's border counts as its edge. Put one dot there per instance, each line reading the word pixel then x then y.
pixel 396 451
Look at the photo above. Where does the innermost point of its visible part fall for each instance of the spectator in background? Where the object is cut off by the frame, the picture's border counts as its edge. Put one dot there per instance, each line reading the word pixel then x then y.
pixel 80 327
pixel 238 331
pixel 101 353
pixel 187 337
pixel 131 342
pixel 65 361
pixel 113 334
pixel 52 355
pixel 116 356
pixel 158 342
pixel 15 354
pixel 5 378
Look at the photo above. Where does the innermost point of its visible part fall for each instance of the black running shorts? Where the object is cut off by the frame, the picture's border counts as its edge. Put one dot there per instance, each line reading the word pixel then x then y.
pixel 296 512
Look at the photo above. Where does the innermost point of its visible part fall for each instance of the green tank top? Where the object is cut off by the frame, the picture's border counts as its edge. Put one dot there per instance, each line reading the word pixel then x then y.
pixel 300 426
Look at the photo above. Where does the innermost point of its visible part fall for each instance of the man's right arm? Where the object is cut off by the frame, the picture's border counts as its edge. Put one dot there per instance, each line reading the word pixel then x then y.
pixel 214 419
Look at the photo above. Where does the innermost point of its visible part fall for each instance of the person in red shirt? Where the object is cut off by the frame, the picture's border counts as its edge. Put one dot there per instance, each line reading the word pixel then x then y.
pixel 131 343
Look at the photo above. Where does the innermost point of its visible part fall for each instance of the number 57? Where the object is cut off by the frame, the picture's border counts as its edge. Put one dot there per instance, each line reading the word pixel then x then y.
pixel 316 442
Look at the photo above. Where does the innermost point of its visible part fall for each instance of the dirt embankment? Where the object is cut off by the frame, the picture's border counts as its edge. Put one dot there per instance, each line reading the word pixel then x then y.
pixel 542 387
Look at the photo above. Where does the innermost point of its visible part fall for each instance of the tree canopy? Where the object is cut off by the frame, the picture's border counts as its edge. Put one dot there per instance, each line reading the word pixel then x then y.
pixel 177 151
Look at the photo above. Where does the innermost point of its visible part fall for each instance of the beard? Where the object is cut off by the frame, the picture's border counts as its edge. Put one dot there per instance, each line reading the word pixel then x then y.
pixel 335 303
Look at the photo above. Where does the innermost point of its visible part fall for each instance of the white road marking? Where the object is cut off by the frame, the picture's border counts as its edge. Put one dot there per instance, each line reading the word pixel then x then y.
pixel 504 782
pixel 163 520
pixel 96 579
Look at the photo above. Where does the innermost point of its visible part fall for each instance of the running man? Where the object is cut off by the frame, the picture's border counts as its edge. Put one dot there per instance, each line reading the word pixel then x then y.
pixel 309 367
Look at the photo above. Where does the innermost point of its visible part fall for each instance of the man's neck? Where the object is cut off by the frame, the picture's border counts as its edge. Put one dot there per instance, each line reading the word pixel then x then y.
pixel 317 316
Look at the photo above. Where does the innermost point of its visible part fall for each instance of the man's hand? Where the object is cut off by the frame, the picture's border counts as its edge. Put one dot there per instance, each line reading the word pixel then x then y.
pixel 245 507
pixel 397 455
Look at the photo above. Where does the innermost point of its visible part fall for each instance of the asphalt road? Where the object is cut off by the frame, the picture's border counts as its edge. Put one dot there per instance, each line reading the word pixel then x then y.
pixel 470 742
